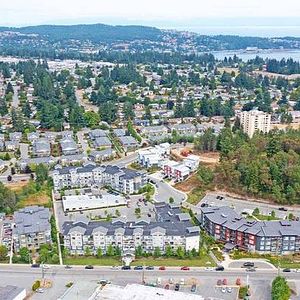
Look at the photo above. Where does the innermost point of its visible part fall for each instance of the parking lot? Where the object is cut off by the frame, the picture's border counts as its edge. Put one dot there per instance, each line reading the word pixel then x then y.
pixel 128 212
pixel 248 206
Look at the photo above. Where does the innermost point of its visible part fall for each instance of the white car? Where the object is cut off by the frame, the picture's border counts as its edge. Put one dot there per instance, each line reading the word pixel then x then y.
pixel 39 290
pixel 297 270
pixel 45 267
pixel 209 269
pixel 115 268
pixel 229 290
pixel 223 290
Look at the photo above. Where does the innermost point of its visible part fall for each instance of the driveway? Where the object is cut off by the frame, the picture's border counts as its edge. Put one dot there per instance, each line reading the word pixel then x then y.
pixel 24 150
pixel 163 190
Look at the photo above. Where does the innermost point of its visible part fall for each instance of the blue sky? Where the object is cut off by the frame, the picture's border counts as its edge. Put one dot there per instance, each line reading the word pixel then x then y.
pixel 187 14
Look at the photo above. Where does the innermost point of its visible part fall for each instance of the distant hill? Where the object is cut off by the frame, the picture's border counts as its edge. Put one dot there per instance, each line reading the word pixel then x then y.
pixel 96 32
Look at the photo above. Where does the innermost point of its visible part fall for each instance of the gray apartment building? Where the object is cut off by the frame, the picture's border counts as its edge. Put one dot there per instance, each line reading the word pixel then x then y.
pixel 171 228
pixel 32 228
pixel 275 237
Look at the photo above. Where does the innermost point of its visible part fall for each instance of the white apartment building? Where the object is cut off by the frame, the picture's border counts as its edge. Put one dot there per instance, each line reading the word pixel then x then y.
pixel 121 179
pixel 255 120
pixel 171 228
pixel 153 156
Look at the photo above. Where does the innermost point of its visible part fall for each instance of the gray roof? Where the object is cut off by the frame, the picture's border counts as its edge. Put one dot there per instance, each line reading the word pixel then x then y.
pixel 119 132
pixel 228 218
pixel 102 141
pixel 128 140
pixel 96 133
pixel 172 227
pixel 31 219
pixel 68 144
pixel 41 146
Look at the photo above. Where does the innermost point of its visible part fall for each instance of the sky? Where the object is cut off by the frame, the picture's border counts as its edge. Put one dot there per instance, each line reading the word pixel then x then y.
pixel 178 14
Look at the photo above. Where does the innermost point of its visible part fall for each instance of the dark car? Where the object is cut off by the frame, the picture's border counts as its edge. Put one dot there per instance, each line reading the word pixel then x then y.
pixel 193 288
pixel 167 286
pixel 251 269
pixel 185 268
pixel 138 268
pixel 35 265
pixel 220 268
pixel 203 204
pixel 177 287
pixel 248 264
pixel 126 268
pixel 68 267
pixel 150 268
pixel 89 267
pixel 282 208
pixel 286 270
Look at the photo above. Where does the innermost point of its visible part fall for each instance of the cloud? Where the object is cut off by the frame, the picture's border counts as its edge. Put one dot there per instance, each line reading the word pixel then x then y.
pixel 21 12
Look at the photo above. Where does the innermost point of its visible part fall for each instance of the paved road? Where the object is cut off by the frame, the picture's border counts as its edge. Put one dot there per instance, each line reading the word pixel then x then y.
pixel 24 150
pixel 123 162
pixel 15 178
pixel 260 281
pixel 164 191
pixel 82 141
pixel 15 100
pixel 243 205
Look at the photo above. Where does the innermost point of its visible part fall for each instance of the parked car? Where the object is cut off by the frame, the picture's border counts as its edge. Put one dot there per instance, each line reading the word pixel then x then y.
pixel 282 208
pixel 167 286
pixel 238 281
pixel 126 268
pixel 35 265
pixel 150 268
pixel 252 269
pixel 223 290
pixel 177 287
pixel 68 267
pixel 286 270
pixel 40 290
pixel 115 268
pixel 225 282
pixel 162 268
pixel 171 281
pixel 45 267
pixel 185 268
pixel 248 264
pixel 138 268
pixel 219 282
pixel 89 267
pixel 220 268
pixel 193 288
pixel 229 290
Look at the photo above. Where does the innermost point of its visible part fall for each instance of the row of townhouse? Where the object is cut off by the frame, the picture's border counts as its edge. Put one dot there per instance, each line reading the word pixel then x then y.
pixel 124 180
pixel 171 228
pixel 158 156
pixel 31 228
pixel 275 237
pixel 185 129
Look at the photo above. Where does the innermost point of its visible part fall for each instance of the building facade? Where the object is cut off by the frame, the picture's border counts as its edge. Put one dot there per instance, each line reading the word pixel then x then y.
pixel 170 228
pixel 275 237
pixel 255 120
pixel 121 179
pixel 32 228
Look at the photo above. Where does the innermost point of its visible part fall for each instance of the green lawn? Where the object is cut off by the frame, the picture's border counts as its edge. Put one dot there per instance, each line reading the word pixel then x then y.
pixel 202 261
pixel 91 260
pixel 266 218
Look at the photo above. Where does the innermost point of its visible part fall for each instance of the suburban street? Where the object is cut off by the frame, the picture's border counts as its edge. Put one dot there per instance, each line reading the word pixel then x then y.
pixel 206 280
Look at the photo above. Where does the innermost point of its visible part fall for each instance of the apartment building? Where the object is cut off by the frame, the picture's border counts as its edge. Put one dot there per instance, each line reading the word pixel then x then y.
pixel 153 156
pixel 32 228
pixel 275 237
pixel 171 228
pixel 255 120
pixel 121 179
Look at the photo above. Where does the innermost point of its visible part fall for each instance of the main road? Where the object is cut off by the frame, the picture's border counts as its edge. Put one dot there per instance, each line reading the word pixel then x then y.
pixel 259 281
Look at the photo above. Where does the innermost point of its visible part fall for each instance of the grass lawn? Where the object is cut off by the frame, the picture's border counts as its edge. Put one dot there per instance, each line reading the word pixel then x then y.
pixel 196 195
pixel 266 218
pixel 202 261
pixel 91 260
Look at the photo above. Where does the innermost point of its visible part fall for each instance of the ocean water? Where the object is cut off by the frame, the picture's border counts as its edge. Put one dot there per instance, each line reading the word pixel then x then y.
pixel 273 54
